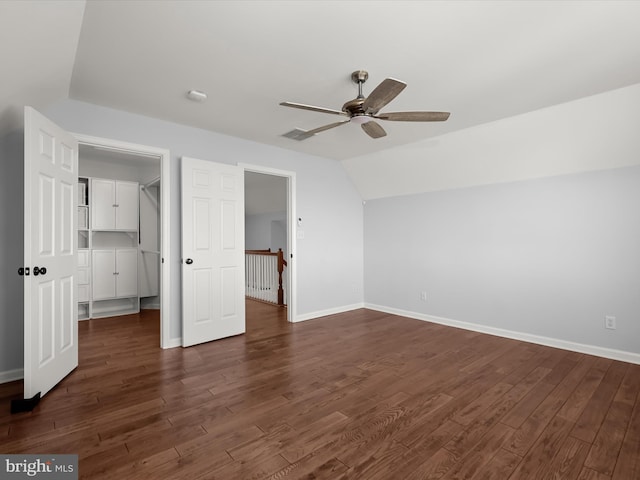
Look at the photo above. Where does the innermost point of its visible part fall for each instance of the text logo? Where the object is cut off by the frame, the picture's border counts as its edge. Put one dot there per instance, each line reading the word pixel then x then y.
pixel 51 467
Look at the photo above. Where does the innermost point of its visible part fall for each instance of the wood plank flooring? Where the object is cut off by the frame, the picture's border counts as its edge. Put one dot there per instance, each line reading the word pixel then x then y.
pixel 359 395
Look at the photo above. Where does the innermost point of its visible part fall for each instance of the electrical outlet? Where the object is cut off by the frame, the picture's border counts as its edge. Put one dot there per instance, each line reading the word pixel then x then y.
pixel 423 296
pixel 610 322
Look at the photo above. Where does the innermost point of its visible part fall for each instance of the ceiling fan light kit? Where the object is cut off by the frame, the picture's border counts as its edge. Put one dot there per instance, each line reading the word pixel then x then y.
pixel 364 110
pixel 360 119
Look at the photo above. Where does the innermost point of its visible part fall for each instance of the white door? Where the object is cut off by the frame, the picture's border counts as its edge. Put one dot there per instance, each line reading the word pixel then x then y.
pixel 212 251
pixel 103 272
pixel 127 199
pixel 50 223
pixel 127 272
pixel 103 202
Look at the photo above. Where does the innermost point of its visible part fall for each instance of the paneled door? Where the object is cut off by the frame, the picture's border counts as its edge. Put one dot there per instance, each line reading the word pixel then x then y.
pixel 212 251
pixel 50 263
pixel 114 273
pixel 114 205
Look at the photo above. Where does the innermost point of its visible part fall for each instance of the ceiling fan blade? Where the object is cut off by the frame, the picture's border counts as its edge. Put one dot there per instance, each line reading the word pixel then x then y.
pixel 414 116
pixel 373 129
pixel 313 108
pixel 327 127
pixel 388 89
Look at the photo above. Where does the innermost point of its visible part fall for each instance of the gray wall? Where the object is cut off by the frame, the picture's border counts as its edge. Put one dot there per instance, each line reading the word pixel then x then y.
pixel 266 230
pixel 330 258
pixel 548 257
pixel 100 167
pixel 11 256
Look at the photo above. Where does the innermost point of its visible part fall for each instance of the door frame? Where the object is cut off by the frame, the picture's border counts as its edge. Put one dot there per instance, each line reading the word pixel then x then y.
pixel 165 209
pixel 291 231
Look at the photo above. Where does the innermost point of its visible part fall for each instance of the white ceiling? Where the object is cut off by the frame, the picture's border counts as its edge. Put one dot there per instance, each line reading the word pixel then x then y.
pixel 36 55
pixel 482 61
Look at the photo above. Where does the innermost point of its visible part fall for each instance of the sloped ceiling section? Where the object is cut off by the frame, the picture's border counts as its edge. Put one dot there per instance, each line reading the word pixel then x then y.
pixel 593 133
pixel 38 42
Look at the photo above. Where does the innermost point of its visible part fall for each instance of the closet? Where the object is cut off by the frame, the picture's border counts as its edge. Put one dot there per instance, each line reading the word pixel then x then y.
pixel 118 233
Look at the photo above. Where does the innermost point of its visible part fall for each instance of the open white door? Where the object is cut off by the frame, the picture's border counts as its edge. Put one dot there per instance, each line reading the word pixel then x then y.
pixel 50 241
pixel 212 251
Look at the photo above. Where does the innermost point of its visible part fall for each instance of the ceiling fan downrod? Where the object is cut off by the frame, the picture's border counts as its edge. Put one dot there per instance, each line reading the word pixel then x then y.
pixel 359 77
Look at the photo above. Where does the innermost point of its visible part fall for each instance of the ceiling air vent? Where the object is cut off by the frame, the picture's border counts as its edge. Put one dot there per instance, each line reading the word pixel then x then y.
pixel 297 134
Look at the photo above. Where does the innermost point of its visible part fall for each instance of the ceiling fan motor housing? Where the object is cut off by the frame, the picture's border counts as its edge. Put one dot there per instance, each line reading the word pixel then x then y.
pixel 360 76
pixel 354 107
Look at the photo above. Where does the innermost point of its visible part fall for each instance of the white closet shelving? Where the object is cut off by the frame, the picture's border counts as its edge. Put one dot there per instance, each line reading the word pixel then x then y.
pixel 108 248
pixel 84 253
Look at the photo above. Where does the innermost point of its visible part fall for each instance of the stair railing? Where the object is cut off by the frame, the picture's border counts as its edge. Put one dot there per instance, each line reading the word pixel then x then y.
pixel 264 276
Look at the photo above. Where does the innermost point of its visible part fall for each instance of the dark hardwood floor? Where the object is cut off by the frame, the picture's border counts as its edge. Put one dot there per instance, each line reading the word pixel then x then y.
pixel 360 395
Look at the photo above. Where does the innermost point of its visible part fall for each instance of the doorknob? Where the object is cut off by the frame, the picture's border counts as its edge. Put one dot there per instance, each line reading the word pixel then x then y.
pixel 188 261
pixel 39 271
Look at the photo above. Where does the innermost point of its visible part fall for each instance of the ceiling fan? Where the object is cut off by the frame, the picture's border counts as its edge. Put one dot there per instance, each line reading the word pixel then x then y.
pixel 364 110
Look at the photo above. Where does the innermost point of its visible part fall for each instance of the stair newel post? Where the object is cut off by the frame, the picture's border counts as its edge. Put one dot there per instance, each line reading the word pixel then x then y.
pixel 280 270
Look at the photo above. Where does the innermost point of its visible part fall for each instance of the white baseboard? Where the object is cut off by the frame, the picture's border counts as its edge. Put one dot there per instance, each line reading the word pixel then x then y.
pixel 329 311
pixel 613 354
pixel 11 375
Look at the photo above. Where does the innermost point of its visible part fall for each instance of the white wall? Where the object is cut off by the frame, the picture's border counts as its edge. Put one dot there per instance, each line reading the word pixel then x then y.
pixel 330 256
pixel 279 236
pixel 148 262
pixel 11 256
pixel 544 258
pixel 100 167
pixel 266 230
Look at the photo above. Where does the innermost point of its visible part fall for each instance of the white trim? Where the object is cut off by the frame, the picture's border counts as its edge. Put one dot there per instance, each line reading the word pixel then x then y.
pixel 330 311
pixel 165 237
pixel 173 343
pixel 292 279
pixel 620 355
pixel 11 375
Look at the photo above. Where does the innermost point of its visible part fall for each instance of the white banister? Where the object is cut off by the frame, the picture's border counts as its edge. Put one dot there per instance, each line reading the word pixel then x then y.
pixel 263 276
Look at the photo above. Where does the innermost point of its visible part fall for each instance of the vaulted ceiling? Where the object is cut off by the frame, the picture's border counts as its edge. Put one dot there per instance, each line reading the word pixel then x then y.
pixel 482 61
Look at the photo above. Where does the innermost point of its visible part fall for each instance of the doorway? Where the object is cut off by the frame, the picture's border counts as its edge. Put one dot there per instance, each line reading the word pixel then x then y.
pixel 270 213
pixel 149 168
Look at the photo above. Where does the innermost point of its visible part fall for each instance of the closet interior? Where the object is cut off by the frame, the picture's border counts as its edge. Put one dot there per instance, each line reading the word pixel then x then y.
pixel 118 232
